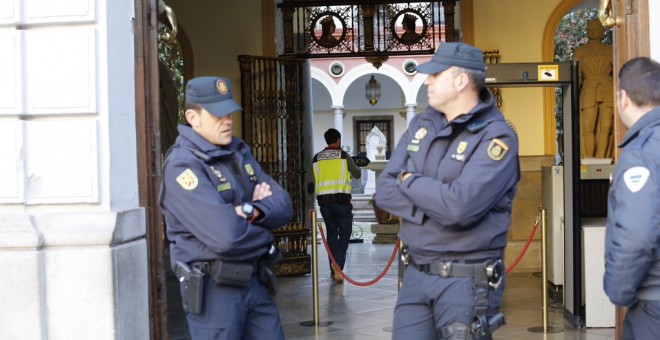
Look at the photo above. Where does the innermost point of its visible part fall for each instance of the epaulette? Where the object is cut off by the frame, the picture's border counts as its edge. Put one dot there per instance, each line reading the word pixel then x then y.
pixel 476 125
pixel 200 155
pixel 169 151
pixel 510 124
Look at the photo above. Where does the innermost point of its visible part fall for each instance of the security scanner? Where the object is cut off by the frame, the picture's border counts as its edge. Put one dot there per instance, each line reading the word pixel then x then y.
pixel 594 185
pixel 574 194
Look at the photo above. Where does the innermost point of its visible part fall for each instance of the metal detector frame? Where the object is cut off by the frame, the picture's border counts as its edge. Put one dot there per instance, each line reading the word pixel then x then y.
pixel 564 75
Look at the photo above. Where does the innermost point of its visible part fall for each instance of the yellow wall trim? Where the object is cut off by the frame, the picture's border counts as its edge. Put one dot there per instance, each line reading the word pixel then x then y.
pixel 467 21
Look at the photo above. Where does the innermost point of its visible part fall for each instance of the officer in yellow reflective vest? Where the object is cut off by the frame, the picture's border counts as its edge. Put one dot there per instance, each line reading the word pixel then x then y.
pixel 333 169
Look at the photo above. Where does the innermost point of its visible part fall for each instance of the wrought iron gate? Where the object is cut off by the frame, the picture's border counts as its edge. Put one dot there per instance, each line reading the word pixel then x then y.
pixel 272 100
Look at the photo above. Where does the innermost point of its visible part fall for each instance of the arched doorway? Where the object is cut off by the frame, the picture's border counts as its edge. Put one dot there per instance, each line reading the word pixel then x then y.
pixel 630 39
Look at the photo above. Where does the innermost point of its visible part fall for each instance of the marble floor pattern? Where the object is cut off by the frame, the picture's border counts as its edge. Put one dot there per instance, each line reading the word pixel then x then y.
pixel 348 311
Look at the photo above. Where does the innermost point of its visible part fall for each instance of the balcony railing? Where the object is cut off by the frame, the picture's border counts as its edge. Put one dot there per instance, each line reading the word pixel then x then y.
pixel 373 29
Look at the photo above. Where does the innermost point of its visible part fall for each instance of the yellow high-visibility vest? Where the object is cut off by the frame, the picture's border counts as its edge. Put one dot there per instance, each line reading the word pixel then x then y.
pixel 331 174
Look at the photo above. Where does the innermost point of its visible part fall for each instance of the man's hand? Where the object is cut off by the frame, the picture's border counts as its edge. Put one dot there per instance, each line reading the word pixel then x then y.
pixel 406 172
pixel 261 191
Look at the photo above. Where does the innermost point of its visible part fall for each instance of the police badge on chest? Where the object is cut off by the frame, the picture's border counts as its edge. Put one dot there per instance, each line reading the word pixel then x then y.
pixel 459 155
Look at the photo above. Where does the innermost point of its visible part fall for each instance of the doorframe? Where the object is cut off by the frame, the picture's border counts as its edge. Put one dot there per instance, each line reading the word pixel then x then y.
pixel 149 165
pixel 631 39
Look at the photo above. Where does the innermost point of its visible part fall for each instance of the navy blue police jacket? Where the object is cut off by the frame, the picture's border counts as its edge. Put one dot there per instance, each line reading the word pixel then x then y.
pixel 457 203
pixel 632 233
pixel 202 183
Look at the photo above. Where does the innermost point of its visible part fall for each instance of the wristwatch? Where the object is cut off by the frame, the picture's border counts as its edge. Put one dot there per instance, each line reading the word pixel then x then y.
pixel 248 210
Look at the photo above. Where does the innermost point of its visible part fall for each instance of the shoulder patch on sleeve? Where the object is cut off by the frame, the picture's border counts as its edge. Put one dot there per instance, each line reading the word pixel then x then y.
pixel 188 180
pixel 497 149
pixel 635 178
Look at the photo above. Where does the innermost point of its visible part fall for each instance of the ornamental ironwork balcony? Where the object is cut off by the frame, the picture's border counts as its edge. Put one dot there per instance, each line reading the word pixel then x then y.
pixel 371 29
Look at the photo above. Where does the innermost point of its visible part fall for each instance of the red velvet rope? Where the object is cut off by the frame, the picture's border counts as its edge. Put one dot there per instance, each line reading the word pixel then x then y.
pixel 522 253
pixel 396 248
pixel 361 284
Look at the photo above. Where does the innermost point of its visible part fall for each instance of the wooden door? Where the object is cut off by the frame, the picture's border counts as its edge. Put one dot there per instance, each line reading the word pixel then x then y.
pixel 146 110
pixel 630 40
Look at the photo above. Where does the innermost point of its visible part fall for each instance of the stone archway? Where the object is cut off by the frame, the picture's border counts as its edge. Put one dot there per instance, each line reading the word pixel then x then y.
pixel 547 55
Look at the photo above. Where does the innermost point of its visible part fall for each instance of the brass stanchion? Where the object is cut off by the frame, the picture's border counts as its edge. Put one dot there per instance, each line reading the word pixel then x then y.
pixel 315 276
pixel 544 275
pixel 402 267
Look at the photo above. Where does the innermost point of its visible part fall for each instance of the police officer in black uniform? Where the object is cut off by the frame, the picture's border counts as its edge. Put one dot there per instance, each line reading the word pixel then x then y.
pixel 632 234
pixel 452 179
pixel 220 209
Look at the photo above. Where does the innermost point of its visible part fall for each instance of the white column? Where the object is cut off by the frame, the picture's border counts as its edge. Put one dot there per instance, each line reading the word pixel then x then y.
pixel 339 118
pixel 654 31
pixel 73 250
pixel 410 112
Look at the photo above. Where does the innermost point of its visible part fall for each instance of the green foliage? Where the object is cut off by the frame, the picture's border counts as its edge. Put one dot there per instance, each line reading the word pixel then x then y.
pixel 572 32
pixel 372 200
pixel 170 54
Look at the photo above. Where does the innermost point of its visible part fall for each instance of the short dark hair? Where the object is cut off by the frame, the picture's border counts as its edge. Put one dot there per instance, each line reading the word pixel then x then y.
pixel 477 77
pixel 331 136
pixel 640 78
pixel 190 106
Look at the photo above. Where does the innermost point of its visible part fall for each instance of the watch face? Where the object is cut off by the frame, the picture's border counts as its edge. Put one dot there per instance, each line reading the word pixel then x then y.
pixel 248 209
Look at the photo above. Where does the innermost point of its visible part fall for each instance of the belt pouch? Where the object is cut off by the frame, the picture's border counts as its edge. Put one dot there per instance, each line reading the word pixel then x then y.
pixel 231 273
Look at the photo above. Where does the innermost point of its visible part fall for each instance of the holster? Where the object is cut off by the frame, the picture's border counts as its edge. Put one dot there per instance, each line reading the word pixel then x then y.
pixel 268 279
pixel 192 283
pixel 266 275
pixel 238 274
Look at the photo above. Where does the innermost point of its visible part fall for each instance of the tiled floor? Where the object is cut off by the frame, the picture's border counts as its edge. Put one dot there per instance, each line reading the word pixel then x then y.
pixel 365 313
pixel 347 311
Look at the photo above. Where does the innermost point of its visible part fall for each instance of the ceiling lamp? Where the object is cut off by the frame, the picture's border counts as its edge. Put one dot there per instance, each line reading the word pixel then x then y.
pixel 372 90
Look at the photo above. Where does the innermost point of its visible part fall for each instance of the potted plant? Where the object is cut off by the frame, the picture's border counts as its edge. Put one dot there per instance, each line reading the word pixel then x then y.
pixel 382 216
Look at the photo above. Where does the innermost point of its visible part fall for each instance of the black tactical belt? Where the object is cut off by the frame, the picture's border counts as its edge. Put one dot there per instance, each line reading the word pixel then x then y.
pixel 452 269
pixel 207 266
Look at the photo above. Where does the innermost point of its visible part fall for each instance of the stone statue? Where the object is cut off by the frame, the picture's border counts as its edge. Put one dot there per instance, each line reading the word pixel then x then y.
pixel 376 144
pixel 596 94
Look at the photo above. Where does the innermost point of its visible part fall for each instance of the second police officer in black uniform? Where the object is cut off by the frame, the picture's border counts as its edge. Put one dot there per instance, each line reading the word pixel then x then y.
pixel 220 209
pixel 632 236
pixel 452 179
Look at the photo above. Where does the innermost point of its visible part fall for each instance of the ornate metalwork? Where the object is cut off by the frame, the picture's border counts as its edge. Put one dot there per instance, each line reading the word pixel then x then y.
pixel 330 22
pixel 407 16
pixel 271 97
pixel 374 29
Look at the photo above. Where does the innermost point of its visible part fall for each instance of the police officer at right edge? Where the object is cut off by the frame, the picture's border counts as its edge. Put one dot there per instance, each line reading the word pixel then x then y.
pixel 452 179
pixel 632 233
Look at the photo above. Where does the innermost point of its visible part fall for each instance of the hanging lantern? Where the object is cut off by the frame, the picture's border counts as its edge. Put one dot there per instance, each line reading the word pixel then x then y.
pixel 372 90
